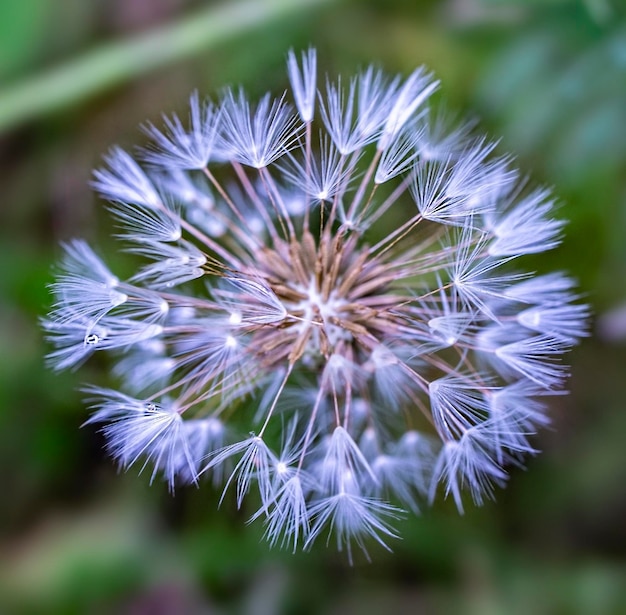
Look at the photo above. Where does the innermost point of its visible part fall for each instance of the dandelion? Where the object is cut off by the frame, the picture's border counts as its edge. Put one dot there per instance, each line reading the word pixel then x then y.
pixel 332 317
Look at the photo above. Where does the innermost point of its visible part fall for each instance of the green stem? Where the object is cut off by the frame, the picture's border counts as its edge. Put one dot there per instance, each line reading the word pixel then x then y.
pixel 120 61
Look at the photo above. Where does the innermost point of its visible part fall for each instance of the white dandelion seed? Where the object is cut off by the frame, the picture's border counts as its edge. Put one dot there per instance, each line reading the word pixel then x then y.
pixel 192 148
pixel 303 82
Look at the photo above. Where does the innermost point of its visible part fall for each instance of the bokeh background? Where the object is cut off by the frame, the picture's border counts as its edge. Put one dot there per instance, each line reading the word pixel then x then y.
pixel 76 77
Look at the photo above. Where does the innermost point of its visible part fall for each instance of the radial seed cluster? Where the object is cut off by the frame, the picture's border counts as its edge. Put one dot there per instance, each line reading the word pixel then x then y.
pixel 332 309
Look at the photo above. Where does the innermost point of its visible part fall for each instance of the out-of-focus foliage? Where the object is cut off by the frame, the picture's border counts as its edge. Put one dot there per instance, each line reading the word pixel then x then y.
pixel 75 537
pixel 559 89
pixel 24 27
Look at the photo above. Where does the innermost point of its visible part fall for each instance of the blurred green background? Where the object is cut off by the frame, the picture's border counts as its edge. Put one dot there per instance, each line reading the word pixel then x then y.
pixel 77 76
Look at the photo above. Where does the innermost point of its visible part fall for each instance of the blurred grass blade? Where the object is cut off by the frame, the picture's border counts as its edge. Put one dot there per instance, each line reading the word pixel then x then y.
pixel 120 61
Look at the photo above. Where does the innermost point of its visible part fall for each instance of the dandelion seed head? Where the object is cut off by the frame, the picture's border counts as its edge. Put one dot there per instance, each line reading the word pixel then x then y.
pixel 333 315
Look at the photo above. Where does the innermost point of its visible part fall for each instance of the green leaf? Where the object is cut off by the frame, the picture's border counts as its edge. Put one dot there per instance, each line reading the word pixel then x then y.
pixel 117 62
